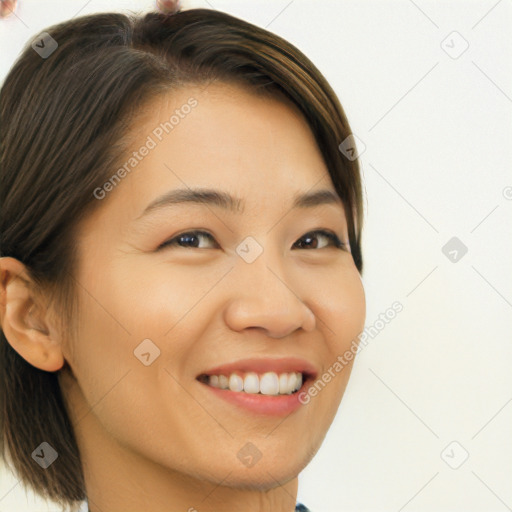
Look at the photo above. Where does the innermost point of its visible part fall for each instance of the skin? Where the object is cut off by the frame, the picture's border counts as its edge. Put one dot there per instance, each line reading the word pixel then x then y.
pixel 153 437
pixel 7 7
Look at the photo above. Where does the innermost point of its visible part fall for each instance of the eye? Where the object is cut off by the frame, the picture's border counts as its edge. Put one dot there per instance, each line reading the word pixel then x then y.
pixel 190 239
pixel 313 235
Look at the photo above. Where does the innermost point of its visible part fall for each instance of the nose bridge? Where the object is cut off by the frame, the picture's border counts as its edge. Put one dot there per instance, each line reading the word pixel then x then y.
pixel 266 279
pixel 262 295
pixel 263 268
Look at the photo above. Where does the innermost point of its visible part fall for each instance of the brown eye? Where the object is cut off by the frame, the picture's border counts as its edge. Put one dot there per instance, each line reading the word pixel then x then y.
pixel 313 235
pixel 189 239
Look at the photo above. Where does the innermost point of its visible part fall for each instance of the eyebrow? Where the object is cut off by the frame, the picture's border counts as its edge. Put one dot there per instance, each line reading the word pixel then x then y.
pixel 228 202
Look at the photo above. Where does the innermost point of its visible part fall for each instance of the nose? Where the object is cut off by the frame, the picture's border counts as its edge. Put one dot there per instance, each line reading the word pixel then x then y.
pixel 262 298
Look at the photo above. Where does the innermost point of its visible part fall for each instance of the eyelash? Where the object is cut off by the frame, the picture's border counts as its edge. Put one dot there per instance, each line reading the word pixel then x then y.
pixel 334 239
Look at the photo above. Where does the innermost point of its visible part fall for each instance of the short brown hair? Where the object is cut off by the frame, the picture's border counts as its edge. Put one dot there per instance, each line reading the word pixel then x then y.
pixel 63 120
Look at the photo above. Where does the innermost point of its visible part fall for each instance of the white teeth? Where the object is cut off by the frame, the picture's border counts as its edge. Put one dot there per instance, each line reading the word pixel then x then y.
pixel 269 383
pixel 251 383
pixel 283 384
pixel 236 382
pixel 292 381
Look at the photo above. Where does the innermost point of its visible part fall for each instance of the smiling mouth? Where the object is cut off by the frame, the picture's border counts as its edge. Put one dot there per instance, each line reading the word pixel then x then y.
pixel 268 383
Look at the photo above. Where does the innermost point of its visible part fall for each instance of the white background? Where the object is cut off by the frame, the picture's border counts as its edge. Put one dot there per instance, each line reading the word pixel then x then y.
pixel 437 165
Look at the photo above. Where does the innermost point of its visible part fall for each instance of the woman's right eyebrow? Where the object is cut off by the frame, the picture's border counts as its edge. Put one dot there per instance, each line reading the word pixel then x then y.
pixel 224 200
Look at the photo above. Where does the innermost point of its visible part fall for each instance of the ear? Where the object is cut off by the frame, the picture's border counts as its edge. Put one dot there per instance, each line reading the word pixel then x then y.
pixel 23 318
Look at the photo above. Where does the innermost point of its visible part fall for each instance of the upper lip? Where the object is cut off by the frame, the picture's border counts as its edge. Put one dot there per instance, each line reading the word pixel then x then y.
pixel 263 365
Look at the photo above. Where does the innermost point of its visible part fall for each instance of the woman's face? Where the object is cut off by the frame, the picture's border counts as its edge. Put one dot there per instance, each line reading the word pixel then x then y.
pixel 250 294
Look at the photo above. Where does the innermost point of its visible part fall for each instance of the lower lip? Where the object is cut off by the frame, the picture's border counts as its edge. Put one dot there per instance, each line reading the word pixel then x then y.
pixel 279 405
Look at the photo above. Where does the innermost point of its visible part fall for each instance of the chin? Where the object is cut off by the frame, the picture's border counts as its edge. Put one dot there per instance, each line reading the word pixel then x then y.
pixel 264 479
pixel 267 473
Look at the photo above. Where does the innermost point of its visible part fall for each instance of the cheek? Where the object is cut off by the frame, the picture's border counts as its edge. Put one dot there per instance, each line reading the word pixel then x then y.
pixel 157 296
pixel 104 352
pixel 341 309
pixel 342 315
pixel 138 405
pixel 119 311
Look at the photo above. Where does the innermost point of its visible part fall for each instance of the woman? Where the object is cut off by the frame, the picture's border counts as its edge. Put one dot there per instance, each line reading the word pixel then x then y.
pixel 180 263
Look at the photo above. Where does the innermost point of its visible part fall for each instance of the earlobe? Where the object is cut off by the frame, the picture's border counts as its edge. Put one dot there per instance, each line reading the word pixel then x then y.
pixel 23 322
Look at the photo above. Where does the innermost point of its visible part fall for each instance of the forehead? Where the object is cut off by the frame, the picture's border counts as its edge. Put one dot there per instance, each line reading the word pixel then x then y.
pixel 230 133
pixel 220 136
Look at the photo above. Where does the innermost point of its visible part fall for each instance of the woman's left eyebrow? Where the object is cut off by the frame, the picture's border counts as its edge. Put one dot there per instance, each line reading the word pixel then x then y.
pixel 224 200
